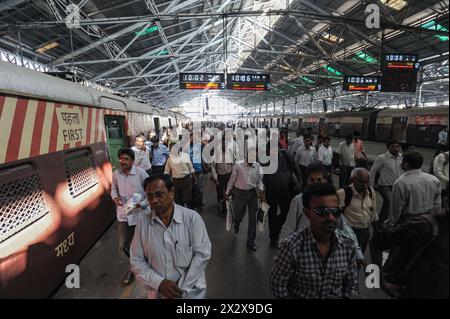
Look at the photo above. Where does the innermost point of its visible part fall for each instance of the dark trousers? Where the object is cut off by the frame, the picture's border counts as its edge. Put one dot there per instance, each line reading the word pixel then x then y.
pixel 304 177
pixel 158 169
pixel 439 149
pixel 344 175
pixel 362 162
pixel 279 198
pixel 363 236
pixel 328 168
pixel 183 190
pixel 241 201
pixel 386 194
pixel 126 234
pixel 222 185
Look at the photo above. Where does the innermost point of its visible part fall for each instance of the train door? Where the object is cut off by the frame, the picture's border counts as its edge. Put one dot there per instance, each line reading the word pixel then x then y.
pixel 278 123
pixel 115 134
pixel 156 123
pixel 300 121
pixel 365 127
pixel 399 129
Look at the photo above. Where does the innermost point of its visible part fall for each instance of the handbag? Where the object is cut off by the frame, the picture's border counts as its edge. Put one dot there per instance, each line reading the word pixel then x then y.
pixel 230 214
pixel 261 216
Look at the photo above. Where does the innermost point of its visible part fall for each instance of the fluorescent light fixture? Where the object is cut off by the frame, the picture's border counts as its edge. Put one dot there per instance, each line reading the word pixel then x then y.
pixel 394 4
pixel 47 47
pixel 148 30
pixel 433 25
pixel 331 38
pixel 332 70
pixel 366 57
pixel 307 79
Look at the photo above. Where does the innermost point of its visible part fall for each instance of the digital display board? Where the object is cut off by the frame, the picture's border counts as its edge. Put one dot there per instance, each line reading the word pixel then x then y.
pixel 361 83
pixel 399 72
pixel 202 81
pixel 248 82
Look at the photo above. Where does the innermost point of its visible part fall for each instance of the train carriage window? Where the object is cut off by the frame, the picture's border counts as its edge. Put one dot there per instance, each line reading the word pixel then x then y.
pixel 114 129
pixel 81 174
pixel 21 200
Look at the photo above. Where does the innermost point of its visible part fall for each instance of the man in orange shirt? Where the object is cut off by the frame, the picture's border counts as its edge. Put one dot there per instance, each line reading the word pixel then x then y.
pixel 361 158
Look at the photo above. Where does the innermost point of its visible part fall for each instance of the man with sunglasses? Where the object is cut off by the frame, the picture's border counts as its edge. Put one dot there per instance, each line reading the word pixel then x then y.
pixel 171 247
pixel 320 261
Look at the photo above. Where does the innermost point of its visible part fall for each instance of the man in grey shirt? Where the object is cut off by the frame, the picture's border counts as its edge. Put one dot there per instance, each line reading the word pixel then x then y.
pixel 388 166
pixel 415 192
pixel 171 247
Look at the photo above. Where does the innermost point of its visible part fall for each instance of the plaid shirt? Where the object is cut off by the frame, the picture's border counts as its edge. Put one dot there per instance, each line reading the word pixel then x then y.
pixel 299 271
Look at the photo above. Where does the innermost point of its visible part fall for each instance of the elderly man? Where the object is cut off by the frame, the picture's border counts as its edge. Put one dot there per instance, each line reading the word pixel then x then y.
pixel 320 261
pixel 126 182
pixel 142 154
pixel 171 247
pixel 358 201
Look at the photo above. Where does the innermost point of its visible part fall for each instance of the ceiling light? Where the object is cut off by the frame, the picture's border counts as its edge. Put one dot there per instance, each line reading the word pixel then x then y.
pixel 394 4
pixel 433 25
pixel 47 47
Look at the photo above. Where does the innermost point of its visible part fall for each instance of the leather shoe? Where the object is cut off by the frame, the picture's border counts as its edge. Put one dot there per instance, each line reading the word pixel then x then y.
pixel 251 247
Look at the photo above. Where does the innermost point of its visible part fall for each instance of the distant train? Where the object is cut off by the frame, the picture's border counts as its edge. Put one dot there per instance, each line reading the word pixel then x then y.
pixel 415 126
pixel 58 143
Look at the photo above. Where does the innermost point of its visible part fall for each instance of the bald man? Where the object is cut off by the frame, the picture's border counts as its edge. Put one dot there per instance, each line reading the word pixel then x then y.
pixel 358 201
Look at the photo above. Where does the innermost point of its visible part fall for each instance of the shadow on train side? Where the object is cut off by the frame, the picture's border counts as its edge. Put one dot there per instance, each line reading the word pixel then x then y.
pixel 56 149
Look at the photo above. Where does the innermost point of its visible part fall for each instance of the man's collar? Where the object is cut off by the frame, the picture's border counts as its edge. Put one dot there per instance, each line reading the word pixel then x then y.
pixel 413 171
pixel 132 171
pixel 389 154
pixel 334 238
pixel 177 215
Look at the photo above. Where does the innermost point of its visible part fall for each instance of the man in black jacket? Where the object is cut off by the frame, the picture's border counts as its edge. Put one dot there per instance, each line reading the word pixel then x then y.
pixel 428 274
pixel 278 194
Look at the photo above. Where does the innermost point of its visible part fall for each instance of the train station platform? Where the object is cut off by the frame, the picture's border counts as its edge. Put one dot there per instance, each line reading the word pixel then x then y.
pixel 233 272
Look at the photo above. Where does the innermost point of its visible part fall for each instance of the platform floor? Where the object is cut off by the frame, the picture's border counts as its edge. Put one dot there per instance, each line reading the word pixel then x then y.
pixel 232 273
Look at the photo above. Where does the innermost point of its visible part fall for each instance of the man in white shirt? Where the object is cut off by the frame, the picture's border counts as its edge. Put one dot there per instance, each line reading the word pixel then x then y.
pixel 415 192
pixel 142 154
pixel 127 181
pixel 246 184
pixel 389 168
pixel 440 170
pixel 304 156
pixel 442 143
pixel 171 247
pixel 325 155
pixel 296 143
pixel 346 152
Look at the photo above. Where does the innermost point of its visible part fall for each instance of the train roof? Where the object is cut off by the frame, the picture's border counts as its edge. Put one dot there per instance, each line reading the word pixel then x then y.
pixel 437 110
pixel 21 81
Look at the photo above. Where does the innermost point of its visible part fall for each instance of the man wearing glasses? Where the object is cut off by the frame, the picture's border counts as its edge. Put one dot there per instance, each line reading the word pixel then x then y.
pixel 320 261
pixel 171 247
